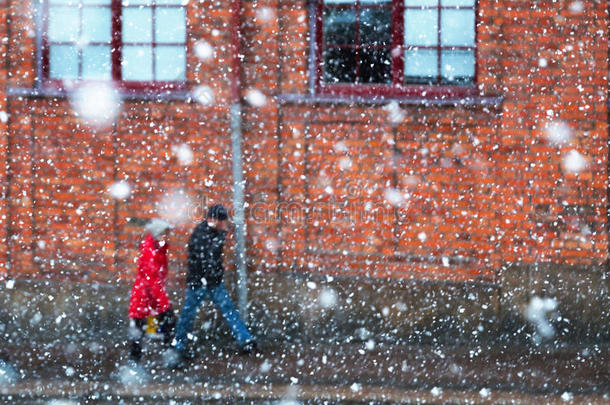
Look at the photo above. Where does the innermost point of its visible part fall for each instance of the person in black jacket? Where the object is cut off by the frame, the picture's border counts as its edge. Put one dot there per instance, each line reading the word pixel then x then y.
pixel 204 281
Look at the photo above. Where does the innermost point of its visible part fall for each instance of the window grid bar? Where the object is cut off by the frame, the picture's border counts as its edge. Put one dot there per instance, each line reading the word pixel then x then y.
pixel 438 44
pixel 116 52
pixel 79 73
pixel 397 42
pixel 440 7
pixel 357 42
pixel 154 43
pixel 347 46
pixel 154 37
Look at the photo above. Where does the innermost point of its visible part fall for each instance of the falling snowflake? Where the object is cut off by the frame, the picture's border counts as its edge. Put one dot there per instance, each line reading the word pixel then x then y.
pixel 574 162
pixel 204 95
pixel 265 367
pixel 175 207
pixel 395 113
pixel 393 196
pixel 272 244
pixel 340 147
pixel 577 7
pixel 536 313
pixel 345 163
pixel 183 153
pixel 133 374
pixel 256 98
pixel 3 117
pixel 120 190
pixel 203 50
pixel 265 14
pixel 327 298
pixel 558 132
pixel 98 104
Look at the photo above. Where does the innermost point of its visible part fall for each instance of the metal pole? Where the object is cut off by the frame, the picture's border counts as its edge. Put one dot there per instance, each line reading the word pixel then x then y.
pixel 238 181
pixel 238 206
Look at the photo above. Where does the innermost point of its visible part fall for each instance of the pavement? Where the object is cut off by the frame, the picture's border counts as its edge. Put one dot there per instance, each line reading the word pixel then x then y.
pixel 330 372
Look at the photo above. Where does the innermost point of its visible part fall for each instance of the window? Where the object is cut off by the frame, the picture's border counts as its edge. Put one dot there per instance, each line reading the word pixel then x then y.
pixel 139 43
pixel 395 47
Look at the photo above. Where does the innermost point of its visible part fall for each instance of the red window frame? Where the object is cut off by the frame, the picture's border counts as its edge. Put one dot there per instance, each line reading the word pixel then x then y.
pixel 397 88
pixel 116 46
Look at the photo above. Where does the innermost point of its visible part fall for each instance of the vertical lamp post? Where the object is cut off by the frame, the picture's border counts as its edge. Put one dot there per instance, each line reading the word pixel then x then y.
pixel 238 181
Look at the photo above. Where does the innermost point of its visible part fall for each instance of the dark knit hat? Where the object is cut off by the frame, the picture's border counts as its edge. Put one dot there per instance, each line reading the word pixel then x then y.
pixel 217 211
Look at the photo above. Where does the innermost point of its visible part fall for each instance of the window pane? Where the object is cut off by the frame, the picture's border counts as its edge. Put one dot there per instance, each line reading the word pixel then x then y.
pixel 170 62
pixel 64 2
pixel 339 26
pixel 375 66
pixel 457 27
pixel 421 3
pixel 63 24
pixel 181 2
pixel 421 27
pixel 421 66
pixel 461 3
pixel 137 63
pixel 457 66
pixel 97 24
pixel 367 2
pixel 137 24
pixel 339 66
pixel 97 62
pixel 170 25
pixel 97 2
pixel 376 26
pixel 63 62
pixel 137 2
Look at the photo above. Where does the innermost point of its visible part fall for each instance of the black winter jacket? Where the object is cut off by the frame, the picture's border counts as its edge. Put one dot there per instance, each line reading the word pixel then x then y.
pixel 205 256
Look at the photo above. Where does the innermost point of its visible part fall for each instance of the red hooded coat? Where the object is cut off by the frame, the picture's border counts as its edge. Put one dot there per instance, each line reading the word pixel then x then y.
pixel 148 296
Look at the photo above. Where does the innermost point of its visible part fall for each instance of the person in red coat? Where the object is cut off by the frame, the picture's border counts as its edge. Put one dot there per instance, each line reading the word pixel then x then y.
pixel 148 296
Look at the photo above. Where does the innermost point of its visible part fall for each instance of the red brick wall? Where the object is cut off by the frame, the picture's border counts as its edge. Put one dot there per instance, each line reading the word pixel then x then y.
pixel 482 185
pixel 3 133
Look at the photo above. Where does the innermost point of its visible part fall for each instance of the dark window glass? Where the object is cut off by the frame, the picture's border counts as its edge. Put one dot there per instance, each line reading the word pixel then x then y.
pixel 339 66
pixel 376 26
pixel 375 66
pixel 339 26
pixel 397 42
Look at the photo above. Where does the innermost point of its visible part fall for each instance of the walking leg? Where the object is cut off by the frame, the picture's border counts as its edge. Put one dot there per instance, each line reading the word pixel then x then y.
pixel 167 323
pixel 136 332
pixel 184 326
pixel 224 303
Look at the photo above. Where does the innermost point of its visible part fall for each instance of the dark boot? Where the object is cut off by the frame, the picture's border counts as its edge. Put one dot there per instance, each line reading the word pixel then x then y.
pixel 167 324
pixel 136 332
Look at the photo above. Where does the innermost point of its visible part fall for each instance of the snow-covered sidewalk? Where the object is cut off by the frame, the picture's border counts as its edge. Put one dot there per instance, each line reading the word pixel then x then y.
pixel 314 373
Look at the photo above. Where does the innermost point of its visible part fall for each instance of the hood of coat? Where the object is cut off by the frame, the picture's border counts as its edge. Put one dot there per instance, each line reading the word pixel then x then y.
pixel 213 231
pixel 150 243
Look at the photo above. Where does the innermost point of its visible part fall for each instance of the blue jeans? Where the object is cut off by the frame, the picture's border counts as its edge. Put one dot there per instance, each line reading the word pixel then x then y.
pixel 220 297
